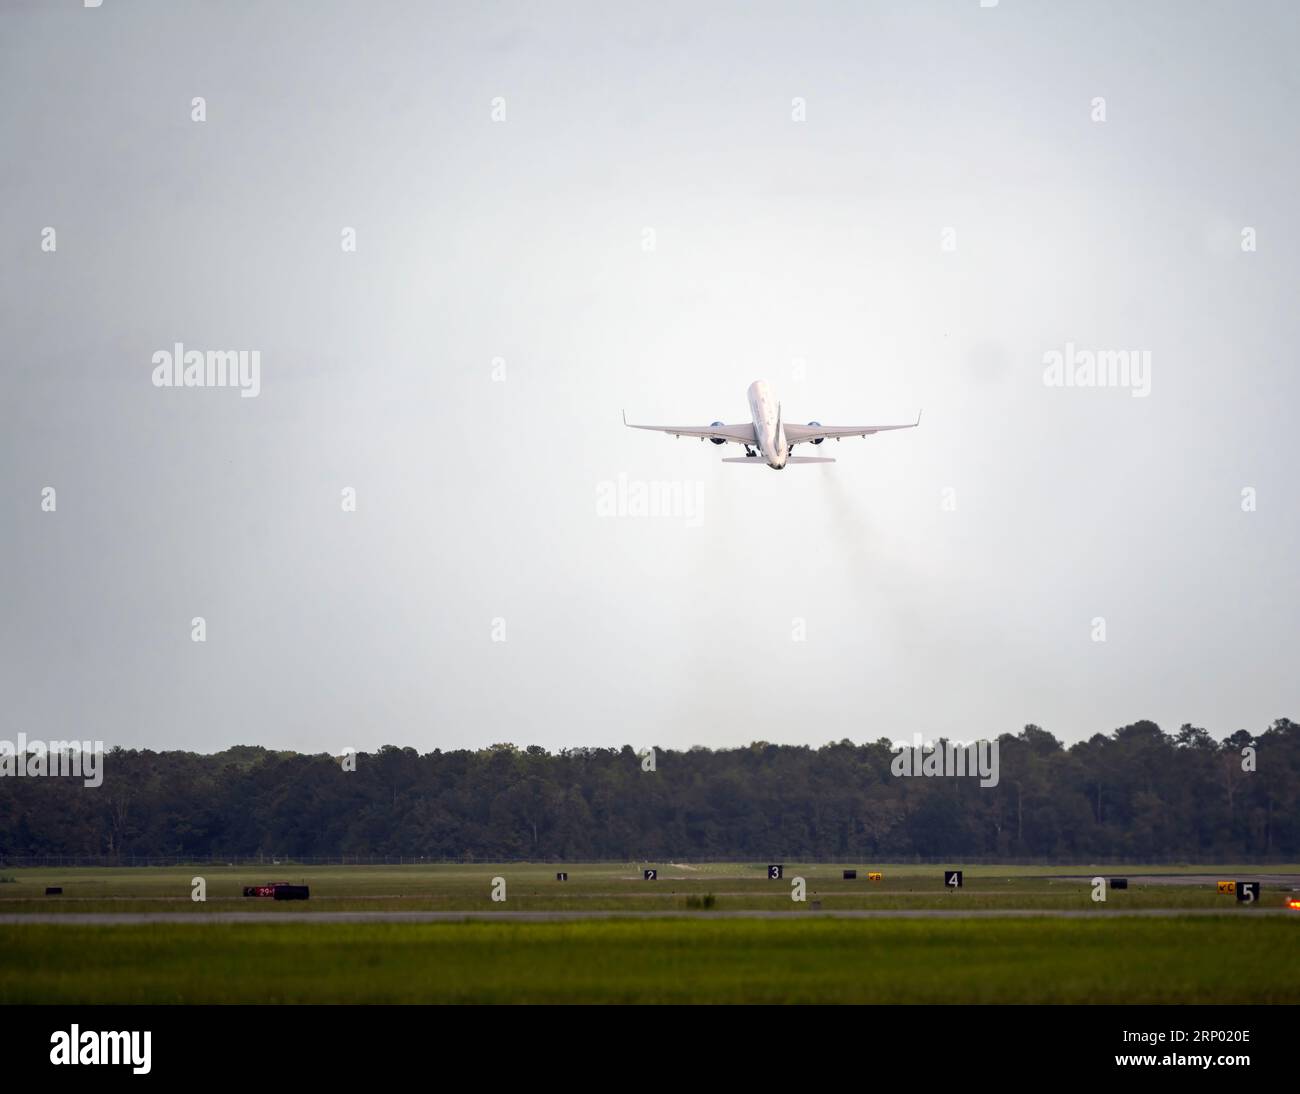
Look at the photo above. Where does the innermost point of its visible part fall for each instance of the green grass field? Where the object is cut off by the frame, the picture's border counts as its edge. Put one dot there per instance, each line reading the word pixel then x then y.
pixel 814 960
pixel 613 887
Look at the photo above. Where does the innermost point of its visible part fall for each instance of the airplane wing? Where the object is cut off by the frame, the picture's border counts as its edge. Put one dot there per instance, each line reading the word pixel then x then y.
pixel 737 434
pixel 797 434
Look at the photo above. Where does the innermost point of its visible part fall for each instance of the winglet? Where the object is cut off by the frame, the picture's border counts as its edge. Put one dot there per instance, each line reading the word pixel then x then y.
pixel 625 417
pixel 918 417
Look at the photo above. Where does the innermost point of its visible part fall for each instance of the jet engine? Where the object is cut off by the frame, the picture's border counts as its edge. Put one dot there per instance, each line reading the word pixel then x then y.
pixel 717 440
pixel 819 440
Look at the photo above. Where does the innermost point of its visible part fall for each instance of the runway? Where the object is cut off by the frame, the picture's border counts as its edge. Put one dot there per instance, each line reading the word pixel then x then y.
pixel 1273 881
pixel 115 919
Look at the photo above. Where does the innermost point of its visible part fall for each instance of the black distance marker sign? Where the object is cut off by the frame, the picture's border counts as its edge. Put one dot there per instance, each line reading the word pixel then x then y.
pixel 952 879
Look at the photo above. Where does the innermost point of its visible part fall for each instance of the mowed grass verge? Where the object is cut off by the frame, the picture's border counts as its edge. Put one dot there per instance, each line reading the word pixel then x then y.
pixel 1161 960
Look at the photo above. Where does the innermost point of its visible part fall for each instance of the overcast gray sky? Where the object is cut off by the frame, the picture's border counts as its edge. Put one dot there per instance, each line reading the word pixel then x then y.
pixel 950 210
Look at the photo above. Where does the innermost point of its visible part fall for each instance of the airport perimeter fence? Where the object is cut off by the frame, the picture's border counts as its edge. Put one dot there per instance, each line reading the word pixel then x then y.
pixel 34 861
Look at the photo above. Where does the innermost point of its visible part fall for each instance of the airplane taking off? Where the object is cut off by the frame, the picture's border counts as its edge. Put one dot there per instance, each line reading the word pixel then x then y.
pixel 766 431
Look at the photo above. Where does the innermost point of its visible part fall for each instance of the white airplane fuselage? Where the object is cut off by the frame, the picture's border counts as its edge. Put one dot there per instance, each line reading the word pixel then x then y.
pixel 768 429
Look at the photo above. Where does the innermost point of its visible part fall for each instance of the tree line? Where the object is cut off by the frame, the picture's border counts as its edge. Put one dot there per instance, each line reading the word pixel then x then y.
pixel 1136 794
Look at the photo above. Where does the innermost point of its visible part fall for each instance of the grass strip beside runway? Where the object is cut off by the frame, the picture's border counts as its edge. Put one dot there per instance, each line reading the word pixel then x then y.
pixel 1148 960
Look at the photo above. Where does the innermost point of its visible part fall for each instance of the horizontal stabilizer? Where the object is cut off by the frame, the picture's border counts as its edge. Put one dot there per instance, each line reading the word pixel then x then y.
pixel 757 462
